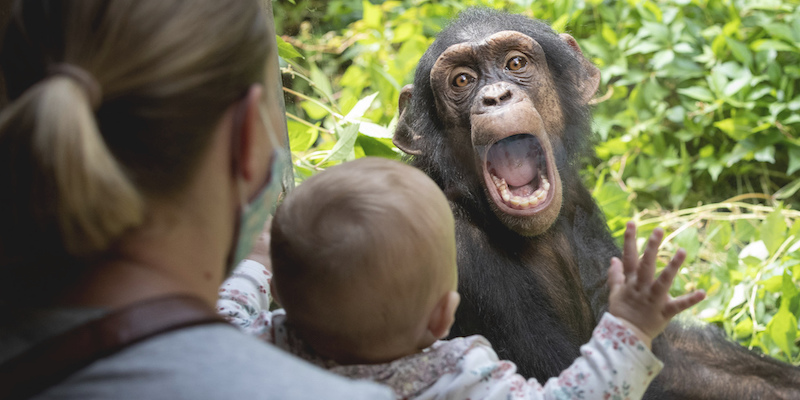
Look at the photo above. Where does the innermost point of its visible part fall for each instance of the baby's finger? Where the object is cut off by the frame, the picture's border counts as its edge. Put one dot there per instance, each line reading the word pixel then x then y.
pixel 647 267
pixel 678 304
pixel 616 277
pixel 664 281
pixel 630 256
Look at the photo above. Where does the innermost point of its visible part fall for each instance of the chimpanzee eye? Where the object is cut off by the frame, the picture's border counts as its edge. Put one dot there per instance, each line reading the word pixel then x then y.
pixel 516 63
pixel 463 80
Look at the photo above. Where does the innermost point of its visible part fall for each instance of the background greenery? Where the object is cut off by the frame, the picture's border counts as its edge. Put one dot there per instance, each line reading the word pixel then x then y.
pixel 697 126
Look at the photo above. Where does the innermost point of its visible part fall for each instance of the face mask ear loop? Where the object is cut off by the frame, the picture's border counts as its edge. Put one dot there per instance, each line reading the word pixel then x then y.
pixel 238 126
pixel 277 148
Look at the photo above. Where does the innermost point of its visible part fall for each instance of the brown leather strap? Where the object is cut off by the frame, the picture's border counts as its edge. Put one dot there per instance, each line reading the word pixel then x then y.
pixel 57 358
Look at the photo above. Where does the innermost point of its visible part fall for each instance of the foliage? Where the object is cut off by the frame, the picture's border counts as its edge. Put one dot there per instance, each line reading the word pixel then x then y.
pixel 698 105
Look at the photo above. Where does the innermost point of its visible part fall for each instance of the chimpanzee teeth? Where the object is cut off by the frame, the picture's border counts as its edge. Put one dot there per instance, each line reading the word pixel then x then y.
pixel 522 202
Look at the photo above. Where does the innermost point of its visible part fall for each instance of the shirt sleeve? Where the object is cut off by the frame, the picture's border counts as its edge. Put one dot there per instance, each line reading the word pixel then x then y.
pixel 244 299
pixel 615 364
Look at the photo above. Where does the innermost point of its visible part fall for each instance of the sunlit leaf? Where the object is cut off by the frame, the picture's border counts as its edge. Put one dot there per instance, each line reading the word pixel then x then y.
pixel 740 51
pixel 782 329
pixel 360 108
pixel 787 191
pixel 301 137
pixel 286 50
pixel 773 231
pixel 321 81
pixel 372 14
pixel 344 145
pixel 756 250
pixel 697 93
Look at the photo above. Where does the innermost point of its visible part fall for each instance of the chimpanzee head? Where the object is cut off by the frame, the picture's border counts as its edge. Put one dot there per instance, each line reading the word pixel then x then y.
pixel 500 101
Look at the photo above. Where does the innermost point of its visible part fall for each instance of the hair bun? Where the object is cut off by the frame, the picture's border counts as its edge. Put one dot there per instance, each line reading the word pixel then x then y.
pixel 89 84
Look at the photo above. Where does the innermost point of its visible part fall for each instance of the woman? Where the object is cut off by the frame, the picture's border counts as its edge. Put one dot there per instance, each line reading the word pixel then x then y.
pixel 138 162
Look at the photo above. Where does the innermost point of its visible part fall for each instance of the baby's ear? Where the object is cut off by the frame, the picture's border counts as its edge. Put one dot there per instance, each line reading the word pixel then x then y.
pixel 443 315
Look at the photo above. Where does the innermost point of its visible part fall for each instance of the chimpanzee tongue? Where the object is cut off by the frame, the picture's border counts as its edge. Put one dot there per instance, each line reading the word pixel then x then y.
pixel 513 159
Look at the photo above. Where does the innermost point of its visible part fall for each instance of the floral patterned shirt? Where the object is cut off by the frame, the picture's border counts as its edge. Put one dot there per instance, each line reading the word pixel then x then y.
pixel 614 365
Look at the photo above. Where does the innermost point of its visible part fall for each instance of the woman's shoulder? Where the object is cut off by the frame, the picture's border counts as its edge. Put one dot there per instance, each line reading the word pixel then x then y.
pixel 208 362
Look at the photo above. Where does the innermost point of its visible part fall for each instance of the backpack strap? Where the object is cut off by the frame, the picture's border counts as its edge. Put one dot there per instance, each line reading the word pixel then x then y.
pixel 55 359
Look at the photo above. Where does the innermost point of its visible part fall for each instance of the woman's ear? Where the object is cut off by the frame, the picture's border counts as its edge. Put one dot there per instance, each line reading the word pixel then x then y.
pixel 443 315
pixel 251 145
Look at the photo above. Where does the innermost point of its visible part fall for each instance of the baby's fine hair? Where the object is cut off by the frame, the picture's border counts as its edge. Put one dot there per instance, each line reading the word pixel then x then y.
pixel 364 224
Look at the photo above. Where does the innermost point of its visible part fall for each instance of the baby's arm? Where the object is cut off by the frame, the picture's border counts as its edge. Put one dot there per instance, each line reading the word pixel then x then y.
pixel 244 299
pixel 617 362
pixel 614 364
pixel 644 305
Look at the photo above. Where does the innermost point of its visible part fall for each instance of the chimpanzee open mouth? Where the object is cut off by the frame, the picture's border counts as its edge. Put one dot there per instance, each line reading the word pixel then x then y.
pixel 517 166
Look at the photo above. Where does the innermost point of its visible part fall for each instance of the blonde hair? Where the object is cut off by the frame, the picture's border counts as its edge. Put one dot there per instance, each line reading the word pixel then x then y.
pixel 371 235
pixel 74 178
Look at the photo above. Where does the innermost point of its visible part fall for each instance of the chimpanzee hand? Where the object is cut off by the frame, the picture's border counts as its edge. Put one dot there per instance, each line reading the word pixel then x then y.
pixel 640 302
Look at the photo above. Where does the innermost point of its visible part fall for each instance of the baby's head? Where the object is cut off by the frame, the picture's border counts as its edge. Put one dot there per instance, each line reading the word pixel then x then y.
pixel 365 261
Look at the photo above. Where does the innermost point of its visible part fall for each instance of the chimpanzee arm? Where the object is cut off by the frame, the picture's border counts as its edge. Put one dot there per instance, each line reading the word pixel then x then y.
pixel 702 364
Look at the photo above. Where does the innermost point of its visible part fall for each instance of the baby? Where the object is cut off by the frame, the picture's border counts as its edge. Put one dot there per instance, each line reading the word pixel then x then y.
pixel 364 261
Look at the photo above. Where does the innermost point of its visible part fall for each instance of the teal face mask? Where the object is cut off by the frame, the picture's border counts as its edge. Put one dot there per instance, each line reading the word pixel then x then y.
pixel 253 215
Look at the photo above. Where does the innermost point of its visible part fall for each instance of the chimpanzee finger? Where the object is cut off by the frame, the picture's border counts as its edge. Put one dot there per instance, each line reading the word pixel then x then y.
pixel 630 256
pixel 647 265
pixel 678 304
pixel 664 281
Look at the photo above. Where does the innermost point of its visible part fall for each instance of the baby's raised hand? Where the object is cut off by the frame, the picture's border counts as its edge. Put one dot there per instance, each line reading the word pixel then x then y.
pixel 642 303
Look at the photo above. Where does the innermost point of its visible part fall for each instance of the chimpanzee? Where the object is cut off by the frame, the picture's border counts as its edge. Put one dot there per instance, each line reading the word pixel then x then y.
pixel 498 116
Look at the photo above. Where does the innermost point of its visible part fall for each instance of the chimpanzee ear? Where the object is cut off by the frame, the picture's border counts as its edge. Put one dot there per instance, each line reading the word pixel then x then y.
pixel 590 78
pixel 404 136
pixel 405 97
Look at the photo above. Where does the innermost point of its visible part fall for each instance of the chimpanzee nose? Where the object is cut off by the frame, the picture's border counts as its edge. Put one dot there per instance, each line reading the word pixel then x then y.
pixel 496 95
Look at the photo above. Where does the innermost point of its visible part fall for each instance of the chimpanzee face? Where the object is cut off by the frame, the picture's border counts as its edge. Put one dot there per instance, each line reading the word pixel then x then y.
pixel 496 102
pixel 498 96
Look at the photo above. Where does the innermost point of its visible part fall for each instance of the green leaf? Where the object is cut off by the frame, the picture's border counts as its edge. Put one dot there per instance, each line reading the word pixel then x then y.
pixel 688 239
pixel 375 130
pixel 286 50
pixel 377 147
pixel 344 145
pixel 719 234
pixel 697 93
pixel 404 32
pixel 314 110
pixel 794 160
pixel 774 284
pixel 787 191
pixel 321 81
pixel 788 289
pixel 744 328
pixel 765 44
pixel 360 108
pixel 662 58
pixel 737 129
pixel 609 35
pixel 643 48
pixel 683 48
pixel 612 200
pixel 780 31
pixel 301 137
pixel 372 15
pixel 740 51
pixel 766 154
pixel 782 329
pixel 773 231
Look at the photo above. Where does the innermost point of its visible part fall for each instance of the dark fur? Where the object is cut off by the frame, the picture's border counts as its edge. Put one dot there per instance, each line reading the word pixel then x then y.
pixel 537 299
